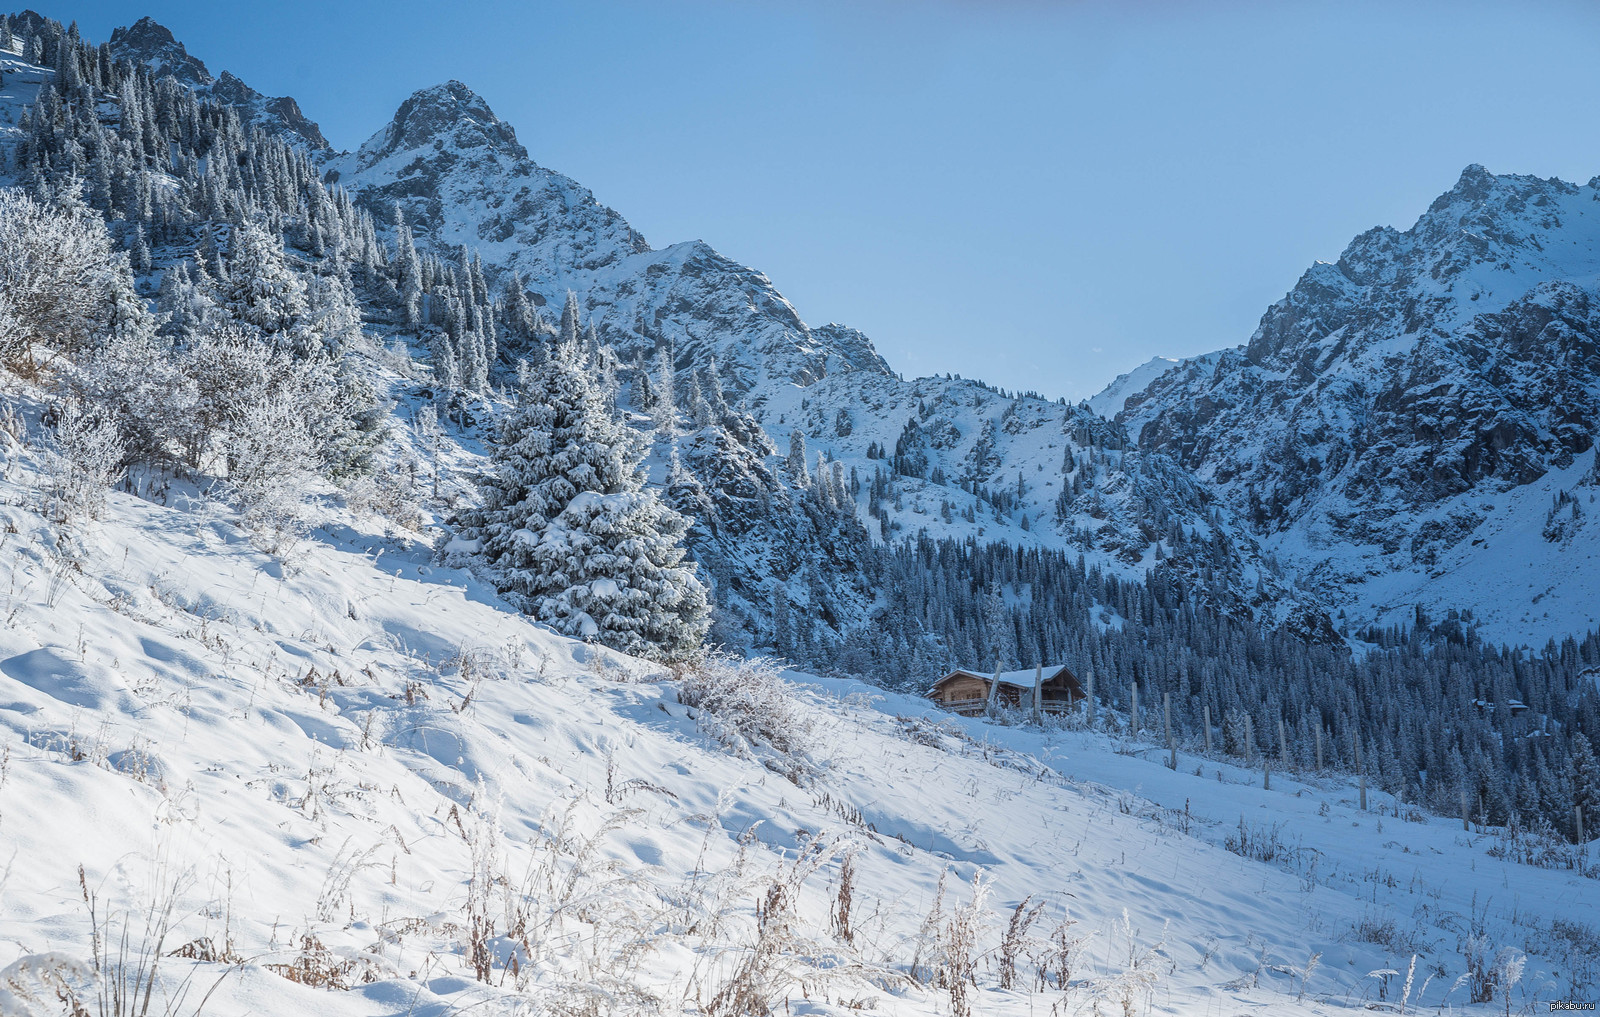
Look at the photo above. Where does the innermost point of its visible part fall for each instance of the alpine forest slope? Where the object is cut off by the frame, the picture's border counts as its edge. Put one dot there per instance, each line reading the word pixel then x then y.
pixel 1414 425
pixel 458 179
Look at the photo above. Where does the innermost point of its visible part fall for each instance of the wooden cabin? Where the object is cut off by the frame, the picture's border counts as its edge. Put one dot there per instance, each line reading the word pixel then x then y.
pixel 967 692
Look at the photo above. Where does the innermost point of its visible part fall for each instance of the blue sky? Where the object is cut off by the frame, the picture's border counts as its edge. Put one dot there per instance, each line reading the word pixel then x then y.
pixel 1039 194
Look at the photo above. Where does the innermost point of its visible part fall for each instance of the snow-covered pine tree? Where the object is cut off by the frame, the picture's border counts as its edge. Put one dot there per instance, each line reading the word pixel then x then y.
pixel 569 320
pixel 666 410
pixel 261 290
pixel 408 270
pixel 796 463
pixel 568 528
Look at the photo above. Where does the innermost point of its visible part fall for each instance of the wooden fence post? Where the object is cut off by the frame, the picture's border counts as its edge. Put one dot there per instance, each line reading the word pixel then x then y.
pixel 1266 773
pixel 1038 694
pixel 1208 728
pixel 1464 811
pixel 1249 736
pixel 1577 815
pixel 1172 746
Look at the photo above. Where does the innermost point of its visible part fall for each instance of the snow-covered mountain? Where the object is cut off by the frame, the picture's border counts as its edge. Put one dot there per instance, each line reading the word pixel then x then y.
pixel 149 43
pixel 1108 402
pixel 1415 423
pixel 462 178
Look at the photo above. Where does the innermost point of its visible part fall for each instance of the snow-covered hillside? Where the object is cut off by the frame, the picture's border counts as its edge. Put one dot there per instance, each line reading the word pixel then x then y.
pixel 353 770
pixel 1404 426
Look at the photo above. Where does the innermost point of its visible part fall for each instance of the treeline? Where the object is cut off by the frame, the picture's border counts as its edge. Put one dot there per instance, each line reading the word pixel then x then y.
pixel 1431 706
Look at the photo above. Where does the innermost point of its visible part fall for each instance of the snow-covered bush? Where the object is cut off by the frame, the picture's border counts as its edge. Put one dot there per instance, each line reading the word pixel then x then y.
pixel 53 264
pixel 568 528
pixel 748 702
pixel 272 460
pixel 84 458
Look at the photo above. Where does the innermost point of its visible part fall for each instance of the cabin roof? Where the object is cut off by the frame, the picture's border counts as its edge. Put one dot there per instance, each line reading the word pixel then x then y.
pixel 1023 679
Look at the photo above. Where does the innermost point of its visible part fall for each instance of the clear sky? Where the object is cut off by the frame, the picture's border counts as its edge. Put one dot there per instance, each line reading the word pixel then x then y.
pixel 1038 194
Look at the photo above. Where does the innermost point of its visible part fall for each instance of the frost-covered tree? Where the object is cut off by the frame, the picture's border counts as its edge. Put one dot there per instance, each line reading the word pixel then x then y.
pixel 132 374
pixel 261 290
pixel 83 460
pixel 569 320
pixel 333 315
pixel 184 300
pixel 569 530
pixel 796 462
pixel 666 411
pixel 54 265
pixel 408 270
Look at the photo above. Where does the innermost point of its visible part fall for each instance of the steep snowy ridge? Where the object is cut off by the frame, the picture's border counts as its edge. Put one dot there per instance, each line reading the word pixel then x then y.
pixel 1109 401
pixel 1394 420
pixel 149 43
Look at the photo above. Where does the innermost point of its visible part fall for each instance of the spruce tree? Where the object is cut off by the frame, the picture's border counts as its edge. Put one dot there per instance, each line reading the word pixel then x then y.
pixel 261 290
pixel 568 529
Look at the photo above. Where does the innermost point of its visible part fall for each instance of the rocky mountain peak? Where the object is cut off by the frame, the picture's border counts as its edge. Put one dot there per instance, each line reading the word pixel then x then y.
pixel 280 114
pixel 151 43
pixel 450 115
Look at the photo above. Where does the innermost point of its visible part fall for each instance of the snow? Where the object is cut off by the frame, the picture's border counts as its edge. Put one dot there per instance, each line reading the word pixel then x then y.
pixel 1108 402
pixel 314 746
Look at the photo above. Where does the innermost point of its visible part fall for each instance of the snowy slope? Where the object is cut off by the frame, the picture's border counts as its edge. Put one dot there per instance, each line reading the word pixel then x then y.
pixel 1108 402
pixel 1401 424
pixel 329 759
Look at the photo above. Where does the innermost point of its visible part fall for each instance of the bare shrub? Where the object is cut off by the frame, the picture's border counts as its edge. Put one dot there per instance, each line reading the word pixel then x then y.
pixel 83 461
pixel 1015 938
pixel 126 950
pixel 1056 961
pixel 46 983
pixel 318 967
pixel 743 703
pixel 960 975
pixel 773 960
pixel 844 898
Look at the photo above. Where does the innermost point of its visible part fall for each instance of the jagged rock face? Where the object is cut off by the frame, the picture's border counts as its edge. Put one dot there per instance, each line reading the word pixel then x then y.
pixel 1066 478
pixel 148 42
pixel 446 115
pixel 1388 403
pixel 281 115
pixel 461 177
